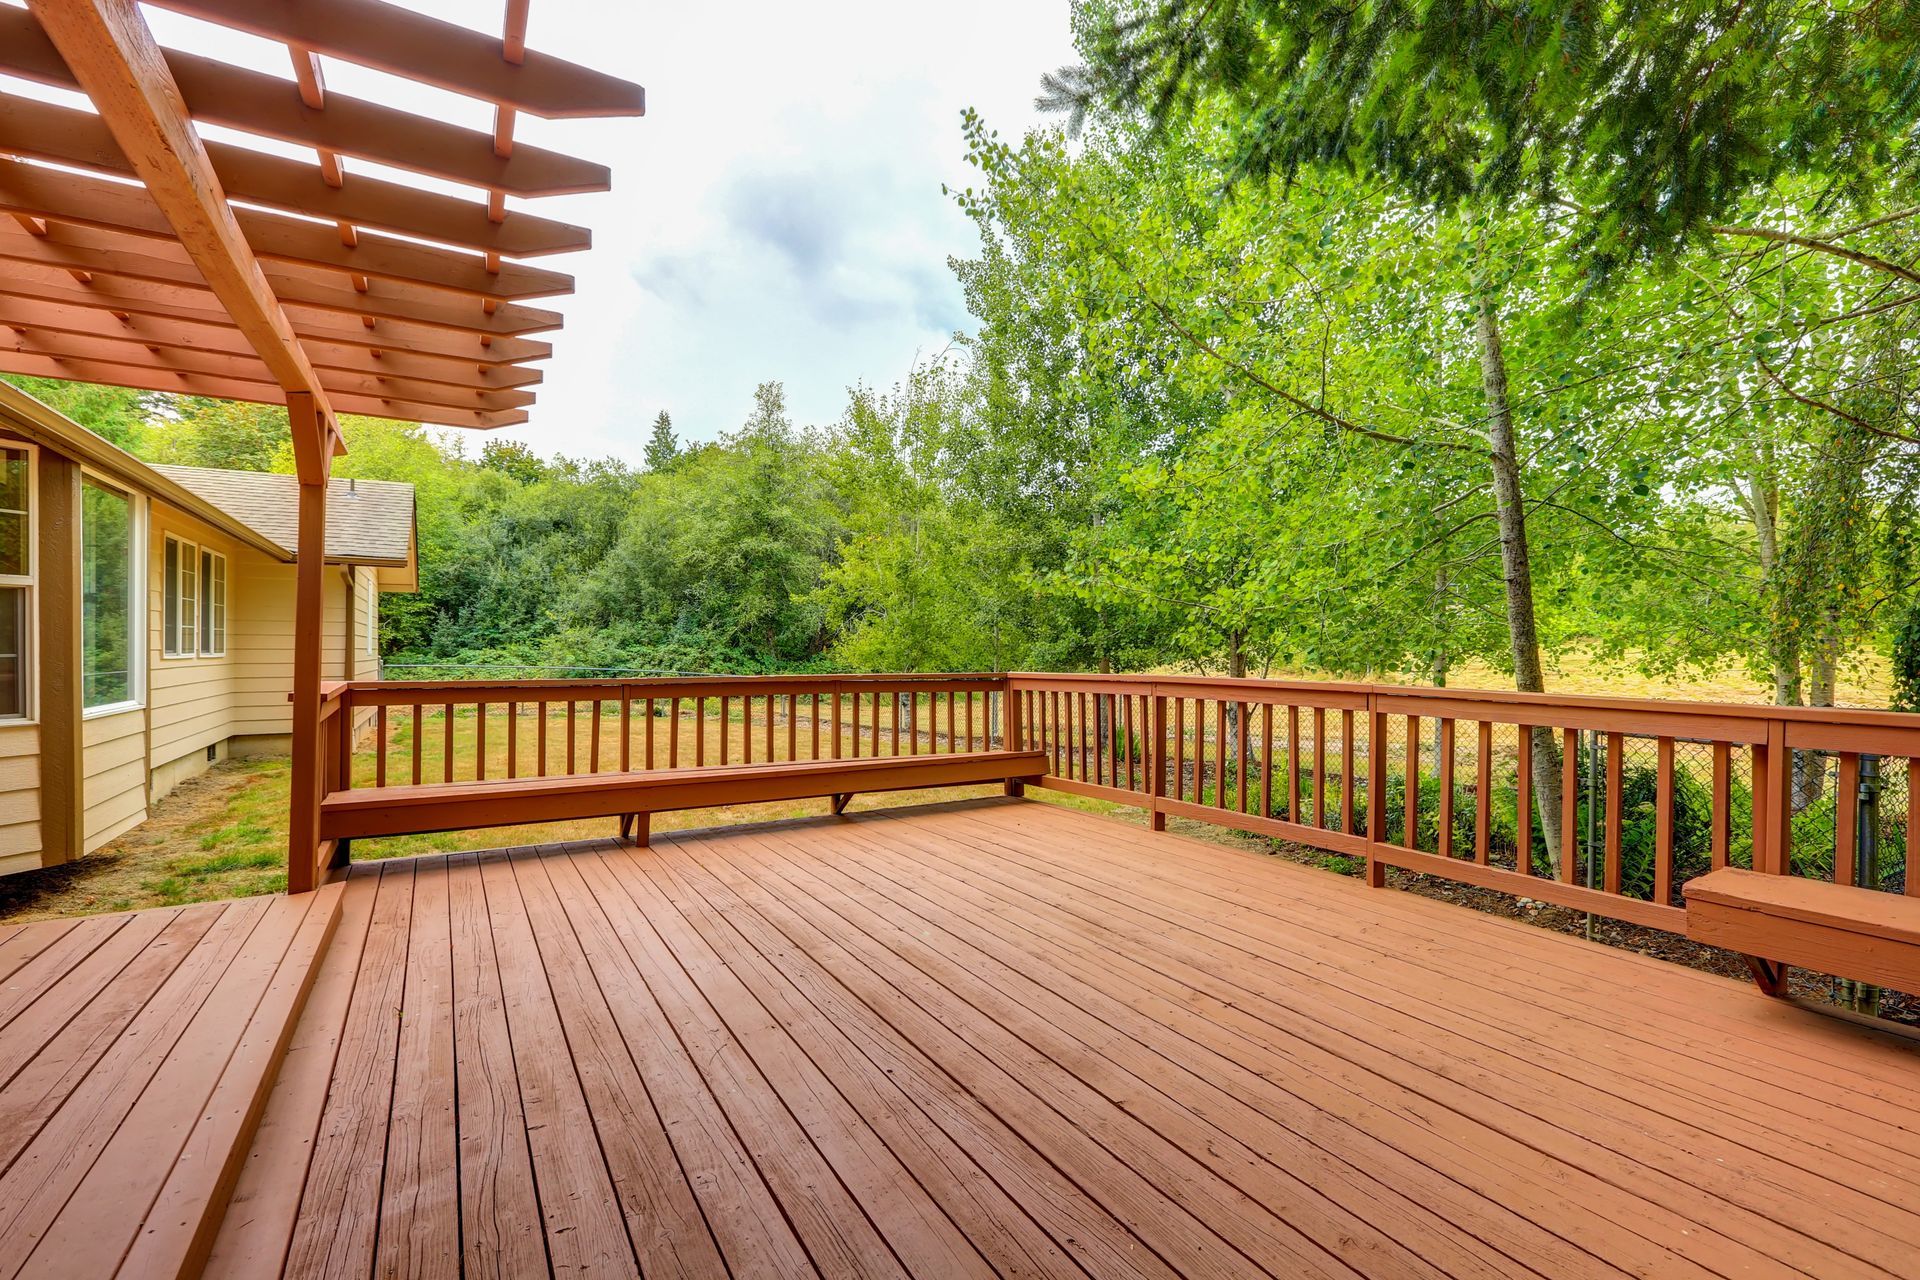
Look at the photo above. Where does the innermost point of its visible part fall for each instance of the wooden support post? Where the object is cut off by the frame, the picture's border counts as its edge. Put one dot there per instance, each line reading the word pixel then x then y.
pixel 1157 763
pixel 1376 794
pixel 303 835
pixel 58 702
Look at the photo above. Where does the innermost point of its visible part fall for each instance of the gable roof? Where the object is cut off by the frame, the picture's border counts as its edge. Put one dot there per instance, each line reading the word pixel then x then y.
pixel 368 521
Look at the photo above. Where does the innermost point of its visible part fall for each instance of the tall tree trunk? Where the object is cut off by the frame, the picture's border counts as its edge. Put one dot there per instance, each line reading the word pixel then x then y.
pixel 1763 504
pixel 1522 627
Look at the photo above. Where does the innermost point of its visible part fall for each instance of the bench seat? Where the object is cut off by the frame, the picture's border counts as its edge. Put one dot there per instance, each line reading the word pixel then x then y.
pixel 459 806
pixel 1830 928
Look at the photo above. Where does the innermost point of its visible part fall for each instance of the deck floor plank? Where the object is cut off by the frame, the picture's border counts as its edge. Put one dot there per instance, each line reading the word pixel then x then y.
pixel 258 1225
pixel 500 1231
pixel 419 1229
pixel 182 1128
pixel 1015 1038
pixel 335 1232
pixel 1311 1029
pixel 922 1236
pixel 586 1233
pixel 1013 1242
pixel 664 1224
pixel 1634 1095
pixel 38 1184
pixel 753 1234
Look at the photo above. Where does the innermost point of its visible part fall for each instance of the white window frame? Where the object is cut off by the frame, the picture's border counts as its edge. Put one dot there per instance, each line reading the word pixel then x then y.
pixel 373 615
pixel 205 605
pixel 137 587
pixel 170 646
pixel 29 659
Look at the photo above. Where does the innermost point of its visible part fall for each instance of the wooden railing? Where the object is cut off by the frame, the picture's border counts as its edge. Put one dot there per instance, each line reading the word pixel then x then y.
pixel 435 731
pixel 1599 804
pixel 1615 802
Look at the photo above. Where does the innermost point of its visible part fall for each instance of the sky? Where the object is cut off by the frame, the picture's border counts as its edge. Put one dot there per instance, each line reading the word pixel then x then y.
pixel 776 215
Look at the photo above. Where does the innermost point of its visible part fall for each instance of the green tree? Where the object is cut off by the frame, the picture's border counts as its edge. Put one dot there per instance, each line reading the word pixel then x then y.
pixel 663 447
pixel 116 413
pixel 233 435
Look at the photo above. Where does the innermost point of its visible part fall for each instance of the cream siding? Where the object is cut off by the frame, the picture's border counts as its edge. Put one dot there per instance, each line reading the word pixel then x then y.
pixel 113 777
pixel 19 792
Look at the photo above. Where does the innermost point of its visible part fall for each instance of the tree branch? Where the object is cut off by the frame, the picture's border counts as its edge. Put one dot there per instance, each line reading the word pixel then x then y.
pixel 1820 246
pixel 1835 410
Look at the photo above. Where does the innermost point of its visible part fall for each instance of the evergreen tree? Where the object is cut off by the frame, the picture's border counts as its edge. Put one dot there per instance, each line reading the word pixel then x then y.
pixel 663 447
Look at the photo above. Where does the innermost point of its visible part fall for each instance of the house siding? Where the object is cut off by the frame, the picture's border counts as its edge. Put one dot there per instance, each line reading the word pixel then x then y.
pixel 113 776
pixel 19 796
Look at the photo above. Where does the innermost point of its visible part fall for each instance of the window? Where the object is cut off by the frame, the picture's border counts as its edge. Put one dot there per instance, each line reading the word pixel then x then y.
pixel 16 577
pixel 109 646
pixel 213 604
pixel 180 610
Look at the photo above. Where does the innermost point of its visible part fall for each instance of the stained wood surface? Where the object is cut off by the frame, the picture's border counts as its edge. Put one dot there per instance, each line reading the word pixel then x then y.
pixel 136 1053
pixel 1004 1037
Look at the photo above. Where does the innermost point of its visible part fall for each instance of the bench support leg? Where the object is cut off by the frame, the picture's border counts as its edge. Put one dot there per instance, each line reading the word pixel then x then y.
pixel 636 828
pixel 1770 975
pixel 840 800
pixel 1014 786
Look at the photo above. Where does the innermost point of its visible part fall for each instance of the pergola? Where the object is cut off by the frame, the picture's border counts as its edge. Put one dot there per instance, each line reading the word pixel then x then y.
pixel 138 253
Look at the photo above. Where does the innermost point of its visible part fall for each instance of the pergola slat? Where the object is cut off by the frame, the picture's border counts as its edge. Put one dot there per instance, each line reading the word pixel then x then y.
pixel 211 330
pixel 152 270
pixel 254 102
pixel 389 38
pixel 98 202
pixel 247 368
pixel 421 379
pixel 258 393
pixel 43 131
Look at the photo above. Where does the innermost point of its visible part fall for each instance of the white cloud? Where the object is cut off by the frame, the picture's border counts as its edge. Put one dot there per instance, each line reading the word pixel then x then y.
pixel 778 213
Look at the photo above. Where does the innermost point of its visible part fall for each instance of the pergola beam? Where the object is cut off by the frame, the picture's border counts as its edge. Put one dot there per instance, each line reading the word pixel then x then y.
pixel 251 101
pixel 63 196
pixel 177 382
pixel 43 131
pixel 209 334
pixel 113 56
pixel 129 271
pixel 389 38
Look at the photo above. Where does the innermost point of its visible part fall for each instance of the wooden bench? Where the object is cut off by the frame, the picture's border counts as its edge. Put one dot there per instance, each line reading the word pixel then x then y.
pixel 1776 921
pixel 460 806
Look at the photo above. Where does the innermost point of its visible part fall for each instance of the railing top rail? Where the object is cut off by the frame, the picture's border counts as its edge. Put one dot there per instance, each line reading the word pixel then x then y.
pixel 1173 685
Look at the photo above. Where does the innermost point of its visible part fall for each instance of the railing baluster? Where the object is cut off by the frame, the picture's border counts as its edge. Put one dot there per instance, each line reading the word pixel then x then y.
pixel 648 734
pixel 1846 819
pixel 1411 791
pixel 1483 795
pixel 593 753
pixel 1266 759
pixel 1722 811
pixel 540 739
pixel 513 740
pixel 1293 765
pixel 769 700
pixel 699 732
pixel 1320 767
pixel 380 746
pixel 673 734
pixel 480 743
pixel 1913 828
pixel 726 726
pixel 1615 748
pixel 419 732
pixel 1569 789
pixel 1663 822
pixel 570 737
pixel 1523 802
pixel 793 726
pixel 1180 749
pixel 1347 779
pixel 1241 730
pixel 626 730
pixel 1220 753
pixel 813 721
pixel 953 729
pixel 1444 835
pixel 969 697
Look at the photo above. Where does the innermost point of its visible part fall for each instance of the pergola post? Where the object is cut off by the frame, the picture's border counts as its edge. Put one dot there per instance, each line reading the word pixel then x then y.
pixel 312 436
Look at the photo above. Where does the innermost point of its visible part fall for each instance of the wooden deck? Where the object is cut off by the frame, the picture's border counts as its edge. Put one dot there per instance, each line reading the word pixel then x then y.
pixel 994 1038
